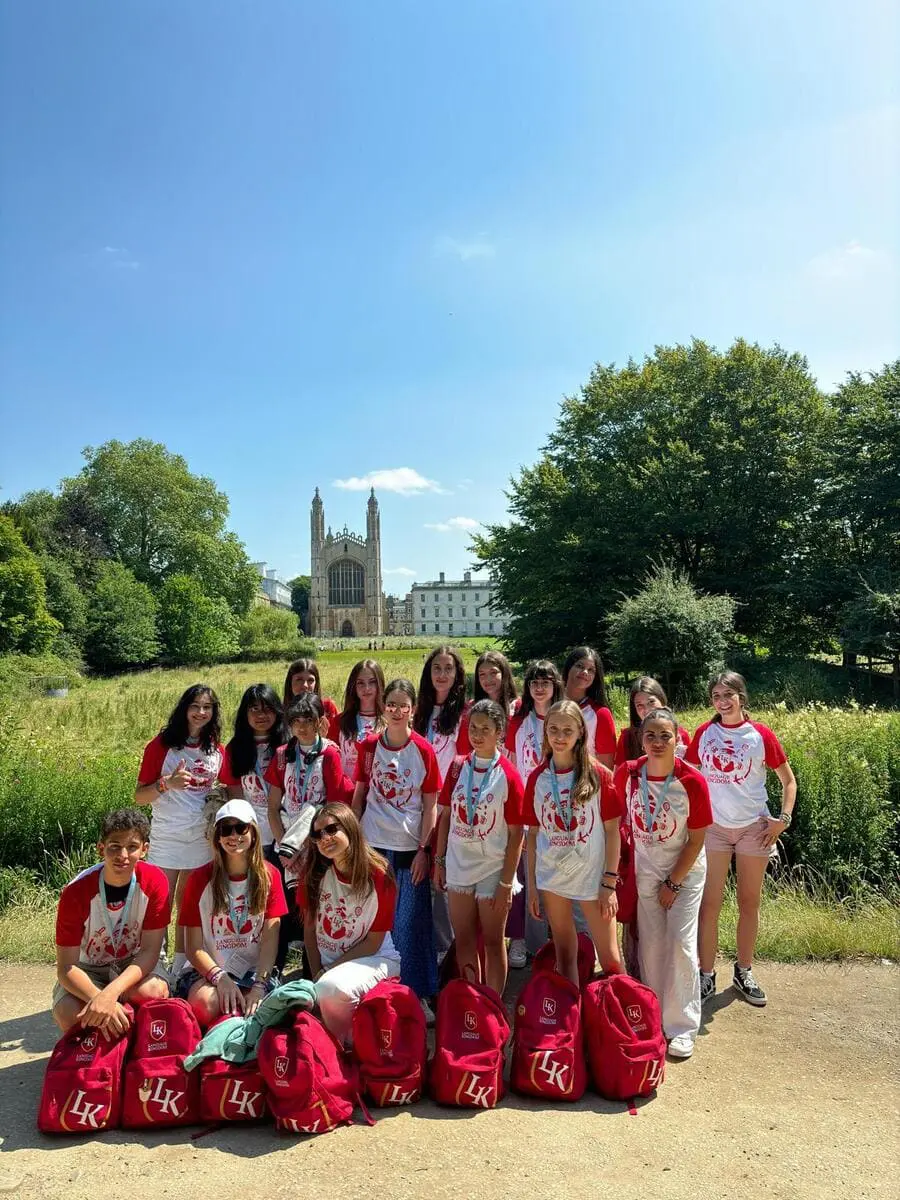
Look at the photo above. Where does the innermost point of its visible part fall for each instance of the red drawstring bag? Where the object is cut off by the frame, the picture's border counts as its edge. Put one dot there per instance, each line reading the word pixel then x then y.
pixel 311 1084
pixel 626 1047
pixel 471 1032
pixel 157 1091
pixel 548 1041
pixel 82 1090
pixel 389 1043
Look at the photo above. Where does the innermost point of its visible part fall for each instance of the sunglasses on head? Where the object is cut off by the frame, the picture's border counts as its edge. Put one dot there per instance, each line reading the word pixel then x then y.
pixel 227 828
pixel 328 830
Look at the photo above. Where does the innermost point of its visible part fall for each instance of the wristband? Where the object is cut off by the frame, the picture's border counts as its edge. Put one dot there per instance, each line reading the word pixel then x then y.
pixel 508 886
pixel 162 785
pixel 673 887
pixel 607 887
pixel 611 875
pixel 425 849
pixel 214 974
pixel 440 860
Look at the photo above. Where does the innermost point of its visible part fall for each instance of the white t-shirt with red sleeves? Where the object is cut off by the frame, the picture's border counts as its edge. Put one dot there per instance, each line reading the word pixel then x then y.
pixel 676 809
pixel 395 778
pixel 349 746
pixel 231 937
pixel 601 728
pixel 571 849
pixel 525 740
pixel 733 760
pixel 177 824
pixel 476 849
pixel 254 785
pixel 344 918
pixel 80 920
pixel 320 782
pixel 443 744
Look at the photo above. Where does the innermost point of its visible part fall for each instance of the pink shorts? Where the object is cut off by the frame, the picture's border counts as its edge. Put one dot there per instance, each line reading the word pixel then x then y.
pixel 746 839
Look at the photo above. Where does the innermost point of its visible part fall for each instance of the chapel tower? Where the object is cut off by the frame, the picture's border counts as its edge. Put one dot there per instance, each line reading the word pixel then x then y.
pixel 345 596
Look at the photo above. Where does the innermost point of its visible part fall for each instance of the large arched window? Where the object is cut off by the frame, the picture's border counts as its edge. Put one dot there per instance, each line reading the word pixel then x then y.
pixel 346 585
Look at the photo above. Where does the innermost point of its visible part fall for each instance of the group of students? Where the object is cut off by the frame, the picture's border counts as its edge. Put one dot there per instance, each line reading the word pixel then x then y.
pixel 421 805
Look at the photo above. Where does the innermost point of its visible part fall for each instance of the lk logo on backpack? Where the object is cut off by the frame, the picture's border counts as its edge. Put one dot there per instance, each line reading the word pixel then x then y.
pixel 548 1042
pixel 82 1085
pixel 311 1085
pixel 389 1044
pixel 626 1046
pixel 471 1031
pixel 157 1091
pixel 231 1091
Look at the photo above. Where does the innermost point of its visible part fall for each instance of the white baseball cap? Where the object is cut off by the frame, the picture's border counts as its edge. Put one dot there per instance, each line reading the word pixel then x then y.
pixel 237 810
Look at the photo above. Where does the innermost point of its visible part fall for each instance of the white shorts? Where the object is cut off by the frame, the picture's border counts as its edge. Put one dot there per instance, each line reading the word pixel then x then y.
pixel 484 889
pixel 173 854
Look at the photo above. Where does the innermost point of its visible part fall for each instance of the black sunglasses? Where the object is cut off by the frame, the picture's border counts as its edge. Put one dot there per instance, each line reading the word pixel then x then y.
pixel 328 830
pixel 227 828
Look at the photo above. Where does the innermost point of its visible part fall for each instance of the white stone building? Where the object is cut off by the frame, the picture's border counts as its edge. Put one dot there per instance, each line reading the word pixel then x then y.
pixel 276 590
pixel 456 608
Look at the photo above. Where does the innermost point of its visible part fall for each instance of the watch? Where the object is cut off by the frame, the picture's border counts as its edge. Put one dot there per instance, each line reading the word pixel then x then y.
pixel 786 817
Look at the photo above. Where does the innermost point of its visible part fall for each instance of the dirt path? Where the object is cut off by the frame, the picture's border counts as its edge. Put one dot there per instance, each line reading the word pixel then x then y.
pixel 797 1100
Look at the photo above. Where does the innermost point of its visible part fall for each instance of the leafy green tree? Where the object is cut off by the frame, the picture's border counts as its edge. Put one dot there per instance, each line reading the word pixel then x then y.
pixel 300 588
pixel 159 519
pixel 194 627
pixel 872 628
pixel 704 460
pixel 669 627
pixel 267 630
pixel 26 626
pixel 65 601
pixel 121 620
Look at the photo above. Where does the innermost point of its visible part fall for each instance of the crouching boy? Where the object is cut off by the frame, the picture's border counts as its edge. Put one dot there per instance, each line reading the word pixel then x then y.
pixel 110 926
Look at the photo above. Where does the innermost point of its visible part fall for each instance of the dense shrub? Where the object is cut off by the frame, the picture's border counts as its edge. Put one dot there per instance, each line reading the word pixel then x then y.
pixel 121 623
pixel 195 627
pixel 268 632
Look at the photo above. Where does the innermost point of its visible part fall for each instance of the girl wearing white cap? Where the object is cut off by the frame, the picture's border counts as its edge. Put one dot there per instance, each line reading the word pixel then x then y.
pixel 230 915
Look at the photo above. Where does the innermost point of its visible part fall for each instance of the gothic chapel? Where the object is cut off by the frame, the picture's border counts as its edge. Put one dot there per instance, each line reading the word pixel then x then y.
pixel 346 598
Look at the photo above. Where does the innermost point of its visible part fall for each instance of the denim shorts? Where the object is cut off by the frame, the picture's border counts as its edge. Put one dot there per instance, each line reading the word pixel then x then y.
pixel 484 889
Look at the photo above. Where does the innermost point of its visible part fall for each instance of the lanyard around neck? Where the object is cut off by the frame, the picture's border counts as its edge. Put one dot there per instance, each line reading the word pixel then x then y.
pixel 489 771
pixel 116 929
pixel 564 812
pixel 650 809
pixel 303 770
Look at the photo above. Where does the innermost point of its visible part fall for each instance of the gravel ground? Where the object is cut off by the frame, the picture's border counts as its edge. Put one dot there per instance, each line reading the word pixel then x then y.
pixel 796 1100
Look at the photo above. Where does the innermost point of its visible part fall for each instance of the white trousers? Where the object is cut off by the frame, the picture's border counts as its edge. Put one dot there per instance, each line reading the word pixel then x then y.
pixel 342 987
pixel 667 950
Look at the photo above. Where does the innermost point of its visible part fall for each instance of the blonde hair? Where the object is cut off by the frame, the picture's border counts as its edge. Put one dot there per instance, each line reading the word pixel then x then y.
pixel 587 776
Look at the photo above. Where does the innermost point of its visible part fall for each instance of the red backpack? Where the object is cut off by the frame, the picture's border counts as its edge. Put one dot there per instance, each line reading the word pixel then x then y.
pixel 231 1091
pixel 156 1089
pixel 82 1085
pixel 389 1043
pixel 626 1047
pixel 545 959
pixel 548 1042
pixel 470 1033
pixel 311 1085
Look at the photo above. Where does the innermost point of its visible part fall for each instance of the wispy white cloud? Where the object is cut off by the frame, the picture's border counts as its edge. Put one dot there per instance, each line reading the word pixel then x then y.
pixel 405 571
pixel 842 263
pixel 402 480
pixel 463 485
pixel 455 524
pixel 465 249
pixel 120 258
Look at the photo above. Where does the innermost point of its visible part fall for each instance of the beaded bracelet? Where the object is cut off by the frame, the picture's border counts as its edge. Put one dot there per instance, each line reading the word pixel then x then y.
pixel 673 887
pixel 213 975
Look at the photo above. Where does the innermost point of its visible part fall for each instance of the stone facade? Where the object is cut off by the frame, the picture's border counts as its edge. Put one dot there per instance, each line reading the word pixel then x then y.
pixel 456 608
pixel 346 598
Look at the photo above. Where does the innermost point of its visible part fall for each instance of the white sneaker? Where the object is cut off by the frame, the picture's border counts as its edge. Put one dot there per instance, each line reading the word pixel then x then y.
pixel 681 1046
pixel 429 1013
pixel 518 956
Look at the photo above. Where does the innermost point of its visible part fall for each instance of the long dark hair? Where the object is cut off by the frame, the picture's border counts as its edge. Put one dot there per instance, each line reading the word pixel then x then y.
pixel 508 694
pixel 738 684
pixel 651 687
pixel 542 669
pixel 364 861
pixel 596 693
pixel 300 666
pixel 175 733
pixel 243 746
pixel 451 709
pixel 310 706
pixel 347 723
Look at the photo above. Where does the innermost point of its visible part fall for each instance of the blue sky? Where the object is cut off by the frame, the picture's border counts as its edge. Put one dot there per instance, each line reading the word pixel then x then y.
pixel 324 243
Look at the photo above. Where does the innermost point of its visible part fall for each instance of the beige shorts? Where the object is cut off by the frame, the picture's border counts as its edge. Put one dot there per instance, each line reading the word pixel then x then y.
pixel 746 839
pixel 101 976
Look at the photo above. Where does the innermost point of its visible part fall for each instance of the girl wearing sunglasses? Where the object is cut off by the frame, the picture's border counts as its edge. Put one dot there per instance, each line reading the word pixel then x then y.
pixel 230 915
pixel 347 893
